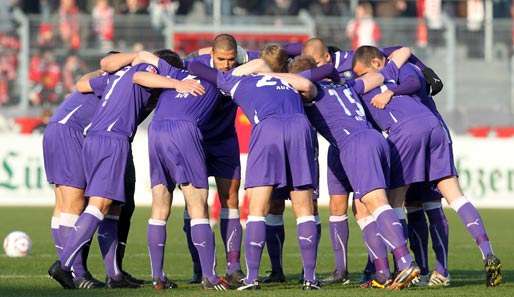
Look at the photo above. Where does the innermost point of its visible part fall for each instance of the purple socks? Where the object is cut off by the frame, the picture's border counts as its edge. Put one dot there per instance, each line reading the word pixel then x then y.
pixel 308 239
pixel 275 237
pixel 156 236
pixel 203 240
pixel 254 243
pixel 339 237
pixel 231 234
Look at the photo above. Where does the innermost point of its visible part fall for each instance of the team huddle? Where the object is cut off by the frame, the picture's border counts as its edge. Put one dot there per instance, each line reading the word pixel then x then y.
pixel 390 151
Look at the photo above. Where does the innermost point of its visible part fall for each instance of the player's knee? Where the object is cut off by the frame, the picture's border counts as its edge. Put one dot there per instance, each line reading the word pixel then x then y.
pixel 102 204
pixel 338 205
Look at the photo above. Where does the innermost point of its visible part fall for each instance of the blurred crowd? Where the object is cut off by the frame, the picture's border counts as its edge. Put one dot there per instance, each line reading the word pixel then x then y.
pixel 59 32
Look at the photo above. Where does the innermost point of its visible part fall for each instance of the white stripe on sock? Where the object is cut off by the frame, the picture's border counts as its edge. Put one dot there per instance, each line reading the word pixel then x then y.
pixel 229 213
pixel 255 219
pixel 458 203
pixel 305 219
pixel 94 211
pixel 335 219
pixel 112 217
pixel 68 219
pixel 54 223
pixel 432 205
pixel 274 220
pixel 195 222
pixel 413 209
pixel 317 220
pixel 380 210
pixel 365 221
pixel 156 222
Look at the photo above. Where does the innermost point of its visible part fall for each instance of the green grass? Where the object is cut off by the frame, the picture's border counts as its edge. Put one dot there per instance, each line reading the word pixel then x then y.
pixel 27 276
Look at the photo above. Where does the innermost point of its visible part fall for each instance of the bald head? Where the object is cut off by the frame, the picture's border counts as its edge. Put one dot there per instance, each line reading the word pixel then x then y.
pixel 316 48
pixel 224 52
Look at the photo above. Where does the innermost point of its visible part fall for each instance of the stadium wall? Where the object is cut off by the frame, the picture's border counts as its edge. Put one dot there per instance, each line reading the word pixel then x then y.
pixel 486 168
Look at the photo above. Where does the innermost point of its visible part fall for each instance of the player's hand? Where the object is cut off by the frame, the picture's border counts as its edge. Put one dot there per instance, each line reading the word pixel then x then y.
pixel 190 86
pixel 435 82
pixel 382 99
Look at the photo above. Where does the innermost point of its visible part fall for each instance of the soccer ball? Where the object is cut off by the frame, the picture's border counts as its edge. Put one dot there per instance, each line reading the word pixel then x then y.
pixel 17 244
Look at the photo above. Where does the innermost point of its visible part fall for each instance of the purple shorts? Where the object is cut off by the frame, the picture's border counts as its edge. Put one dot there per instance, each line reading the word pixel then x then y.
pixel 423 192
pixel 361 165
pixel 222 157
pixel 281 153
pixel 105 157
pixel 62 153
pixel 176 154
pixel 421 151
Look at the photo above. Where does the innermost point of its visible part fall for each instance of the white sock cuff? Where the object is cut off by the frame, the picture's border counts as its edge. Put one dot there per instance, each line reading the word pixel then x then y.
pixel 305 219
pixel 400 213
pixel 94 211
pixel 335 219
pixel 365 221
pixel 432 205
pixel 112 217
pixel 255 219
pixel 156 222
pixel 55 222
pixel 195 222
pixel 380 210
pixel 186 215
pixel 274 220
pixel 317 220
pixel 458 203
pixel 68 219
pixel 413 209
pixel 229 213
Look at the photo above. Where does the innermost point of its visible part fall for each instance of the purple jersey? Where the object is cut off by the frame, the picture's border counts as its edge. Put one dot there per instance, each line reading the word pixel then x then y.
pixel 342 61
pixel 175 105
pixel 123 102
pixel 336 112
pixel 401 107
pixel 77 109
pixel 221 124
pixel 261 96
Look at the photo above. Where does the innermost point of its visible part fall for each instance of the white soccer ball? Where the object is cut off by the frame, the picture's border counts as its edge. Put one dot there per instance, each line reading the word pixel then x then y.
pixel 17 244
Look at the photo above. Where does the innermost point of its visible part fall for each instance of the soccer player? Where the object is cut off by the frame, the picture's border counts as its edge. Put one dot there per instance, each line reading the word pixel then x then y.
pixel 424 152
pixel 105 154
pixel 221 149
pixel 338 116
pixel 281 132
pixel 177 158
pixel 62 146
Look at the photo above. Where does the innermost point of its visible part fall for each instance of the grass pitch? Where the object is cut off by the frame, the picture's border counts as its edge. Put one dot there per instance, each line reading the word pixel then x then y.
pixel 28 277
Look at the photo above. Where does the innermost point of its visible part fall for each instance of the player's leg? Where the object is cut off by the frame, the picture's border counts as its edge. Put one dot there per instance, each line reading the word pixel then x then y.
pixel 230 226
pixel 468 214
pixel 339 232
pixel 275 236
pixel 54 223
pixel 391 232
pixel 418 227
pixel 84 228
pixel 396 198
pixel 202 236
pixel 255 233
pixel 162 198
pixel 307 234
pixel 377 274
pixel 440 237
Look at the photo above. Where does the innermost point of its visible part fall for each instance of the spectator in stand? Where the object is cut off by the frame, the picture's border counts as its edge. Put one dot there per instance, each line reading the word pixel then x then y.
pixel 46 75
pixel 325 7
pixel 69 24
pixel 9 47
pixel 282 7
pixel 161 9
pixel 73 69
pixel 363 30
pixel 103 24
pixel 45 38
pixel 134 7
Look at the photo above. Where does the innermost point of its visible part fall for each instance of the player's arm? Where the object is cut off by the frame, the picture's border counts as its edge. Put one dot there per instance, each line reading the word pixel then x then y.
pixel 366 83
pixel 318 73
pixel 400 56
pixel 156 81
pixel 83 85
pixel 113 62
pixel 254 66
pixel 409 84
pixel 301 84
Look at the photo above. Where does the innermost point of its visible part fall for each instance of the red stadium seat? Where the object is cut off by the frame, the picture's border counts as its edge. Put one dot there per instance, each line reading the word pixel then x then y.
pixel 482 131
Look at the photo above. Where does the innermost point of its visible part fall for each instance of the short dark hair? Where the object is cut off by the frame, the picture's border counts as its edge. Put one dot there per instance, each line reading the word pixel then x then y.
pixel 224 42
pixel 171 57
pixel 301 63
pixel 365 54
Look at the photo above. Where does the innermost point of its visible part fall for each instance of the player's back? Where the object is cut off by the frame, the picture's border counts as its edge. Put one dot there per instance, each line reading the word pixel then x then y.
pixel 122 102
pixel 76 110
pixel 336 112
pixel 261 96
pixel 175 105
pixel 423 92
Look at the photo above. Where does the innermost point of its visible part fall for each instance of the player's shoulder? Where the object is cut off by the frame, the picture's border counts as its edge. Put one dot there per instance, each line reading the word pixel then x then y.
pixel 204 59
